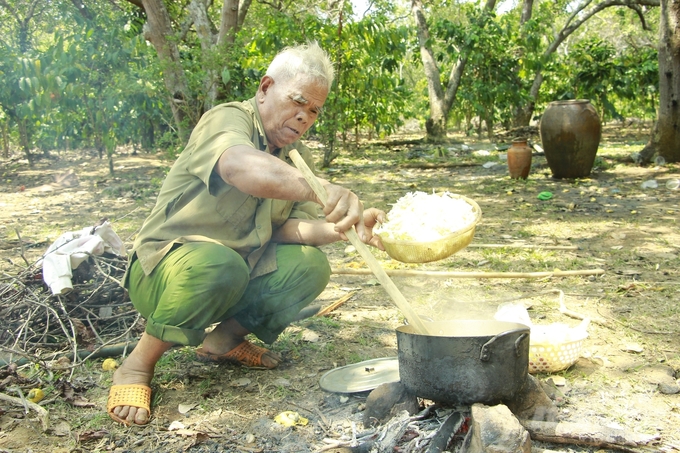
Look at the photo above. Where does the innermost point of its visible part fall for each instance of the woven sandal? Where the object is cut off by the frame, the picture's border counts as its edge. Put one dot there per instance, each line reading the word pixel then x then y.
pixel 246 354
pixel 134 395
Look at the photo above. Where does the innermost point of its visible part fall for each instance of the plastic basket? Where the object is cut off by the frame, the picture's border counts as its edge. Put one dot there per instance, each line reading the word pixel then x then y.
pixel 552 357
pixel 424 252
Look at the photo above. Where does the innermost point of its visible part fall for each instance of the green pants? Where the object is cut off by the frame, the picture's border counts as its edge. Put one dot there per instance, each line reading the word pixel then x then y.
pixel 199 283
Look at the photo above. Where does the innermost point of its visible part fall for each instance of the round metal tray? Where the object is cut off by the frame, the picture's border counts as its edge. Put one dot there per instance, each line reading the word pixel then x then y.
pixel 361 376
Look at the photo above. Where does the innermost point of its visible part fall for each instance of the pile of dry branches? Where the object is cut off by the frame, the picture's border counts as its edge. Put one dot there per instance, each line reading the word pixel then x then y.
pixel 39 327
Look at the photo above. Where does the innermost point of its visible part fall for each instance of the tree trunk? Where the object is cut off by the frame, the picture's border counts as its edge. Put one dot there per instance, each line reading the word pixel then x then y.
pixel 203 26
pixel 229 24
pixel 436 123
pixel 148 135
pixel 524 114
pixel 5 140
pixel 440 101
pixel 665 136
pixel 158 31
pixel 527 9
pixel 25 140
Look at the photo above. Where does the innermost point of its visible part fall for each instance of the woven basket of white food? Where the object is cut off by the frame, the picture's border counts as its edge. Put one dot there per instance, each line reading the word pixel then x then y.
pixel 423 227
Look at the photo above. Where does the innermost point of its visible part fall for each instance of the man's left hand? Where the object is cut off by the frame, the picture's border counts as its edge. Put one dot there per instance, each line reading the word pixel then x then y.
pixel 372 216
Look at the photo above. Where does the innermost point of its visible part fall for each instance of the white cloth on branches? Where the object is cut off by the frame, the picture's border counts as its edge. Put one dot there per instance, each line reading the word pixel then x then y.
pixel 74 247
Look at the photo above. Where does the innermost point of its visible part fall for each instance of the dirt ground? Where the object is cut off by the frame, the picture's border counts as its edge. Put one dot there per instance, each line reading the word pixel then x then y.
pixel 626 376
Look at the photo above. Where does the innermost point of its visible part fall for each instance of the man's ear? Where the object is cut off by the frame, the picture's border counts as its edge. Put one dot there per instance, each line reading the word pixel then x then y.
pixel 265 84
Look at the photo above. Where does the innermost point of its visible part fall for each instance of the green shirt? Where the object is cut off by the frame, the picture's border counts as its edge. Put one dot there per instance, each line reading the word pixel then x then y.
pixel 195 204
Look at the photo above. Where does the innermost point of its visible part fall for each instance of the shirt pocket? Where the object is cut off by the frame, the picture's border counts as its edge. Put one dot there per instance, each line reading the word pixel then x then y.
pixel 237 209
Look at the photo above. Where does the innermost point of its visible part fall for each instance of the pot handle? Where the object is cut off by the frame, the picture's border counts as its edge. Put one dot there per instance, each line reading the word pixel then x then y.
pixel 518 341
pixel 485 353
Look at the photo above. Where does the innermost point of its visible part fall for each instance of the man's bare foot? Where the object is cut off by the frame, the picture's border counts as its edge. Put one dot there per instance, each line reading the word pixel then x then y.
pixel 138 368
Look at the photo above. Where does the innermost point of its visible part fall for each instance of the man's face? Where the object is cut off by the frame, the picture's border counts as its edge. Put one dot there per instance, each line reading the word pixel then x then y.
pixel 289 108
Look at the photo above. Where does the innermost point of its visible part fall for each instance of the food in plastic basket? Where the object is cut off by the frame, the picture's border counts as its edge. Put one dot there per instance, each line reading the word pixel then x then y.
pixel 555 347
pixel 425 227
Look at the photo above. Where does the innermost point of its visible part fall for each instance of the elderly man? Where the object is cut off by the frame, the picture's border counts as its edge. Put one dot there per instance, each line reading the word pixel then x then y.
pixel 232 239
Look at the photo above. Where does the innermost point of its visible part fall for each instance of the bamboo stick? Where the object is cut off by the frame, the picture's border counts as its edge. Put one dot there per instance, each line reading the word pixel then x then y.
pixel 398 298
pixel 445 274
pixel 524 246
pixel 336 304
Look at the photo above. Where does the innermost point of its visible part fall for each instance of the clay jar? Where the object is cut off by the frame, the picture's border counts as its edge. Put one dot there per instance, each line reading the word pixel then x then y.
pixel 519 159
pixel 570 134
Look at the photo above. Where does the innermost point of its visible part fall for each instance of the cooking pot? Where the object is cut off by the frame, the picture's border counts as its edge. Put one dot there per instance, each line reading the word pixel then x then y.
pixel 464 361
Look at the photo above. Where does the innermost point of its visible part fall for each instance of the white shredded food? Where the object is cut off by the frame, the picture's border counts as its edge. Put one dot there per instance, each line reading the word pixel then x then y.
pixel 422 217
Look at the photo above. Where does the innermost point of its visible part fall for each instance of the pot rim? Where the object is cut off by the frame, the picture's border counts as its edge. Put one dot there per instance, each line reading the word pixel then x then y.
pixel 504 327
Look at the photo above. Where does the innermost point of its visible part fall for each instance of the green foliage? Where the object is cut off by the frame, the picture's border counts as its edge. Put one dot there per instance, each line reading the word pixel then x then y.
pixel 368 93
pixel 596 73
pixel 638 90
pixel 496 62
pixel 88 86
pixel 615 67
pixel 112 91
pixel 619 82
pixel 31 86
pixel 88 79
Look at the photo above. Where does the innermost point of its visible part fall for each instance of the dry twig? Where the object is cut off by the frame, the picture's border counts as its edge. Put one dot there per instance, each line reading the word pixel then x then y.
pixel 42 413
pixel 40 327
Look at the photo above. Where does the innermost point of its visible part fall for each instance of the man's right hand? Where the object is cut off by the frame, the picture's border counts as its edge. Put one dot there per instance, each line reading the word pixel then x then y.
pixel 344 209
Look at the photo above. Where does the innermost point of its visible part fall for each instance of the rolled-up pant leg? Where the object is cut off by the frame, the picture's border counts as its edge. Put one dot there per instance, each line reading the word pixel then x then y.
pixel 194 286
pixel 271 302
pixel 201 283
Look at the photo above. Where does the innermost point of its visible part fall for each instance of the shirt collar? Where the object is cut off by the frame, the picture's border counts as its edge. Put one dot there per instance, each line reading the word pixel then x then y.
pixel 251 105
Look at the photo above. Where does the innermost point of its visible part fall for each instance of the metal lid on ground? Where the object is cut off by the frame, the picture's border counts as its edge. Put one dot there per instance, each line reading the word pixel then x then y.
pixel 361 376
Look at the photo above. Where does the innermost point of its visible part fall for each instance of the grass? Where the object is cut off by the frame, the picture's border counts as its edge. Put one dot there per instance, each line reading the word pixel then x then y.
pixel 640 308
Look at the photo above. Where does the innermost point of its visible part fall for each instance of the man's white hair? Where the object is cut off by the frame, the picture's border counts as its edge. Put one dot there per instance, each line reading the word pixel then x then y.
pixel 308 59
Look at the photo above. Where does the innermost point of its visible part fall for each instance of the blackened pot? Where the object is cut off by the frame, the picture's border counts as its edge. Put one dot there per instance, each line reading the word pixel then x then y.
pixel 464 362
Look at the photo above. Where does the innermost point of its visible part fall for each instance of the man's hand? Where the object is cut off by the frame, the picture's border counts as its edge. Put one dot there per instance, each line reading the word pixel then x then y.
pixel 372 216
pixel 344 209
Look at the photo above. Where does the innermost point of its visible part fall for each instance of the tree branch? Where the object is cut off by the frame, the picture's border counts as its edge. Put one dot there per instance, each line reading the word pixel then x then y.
pixel 243 11
pixel 202 25
pixel 31 10
pixel 429 63
pixel 641 15
pixel 82 9
pixel 457 71
pixel 527 9
pixel 569 29
pixel 137 3
pixel 11 10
